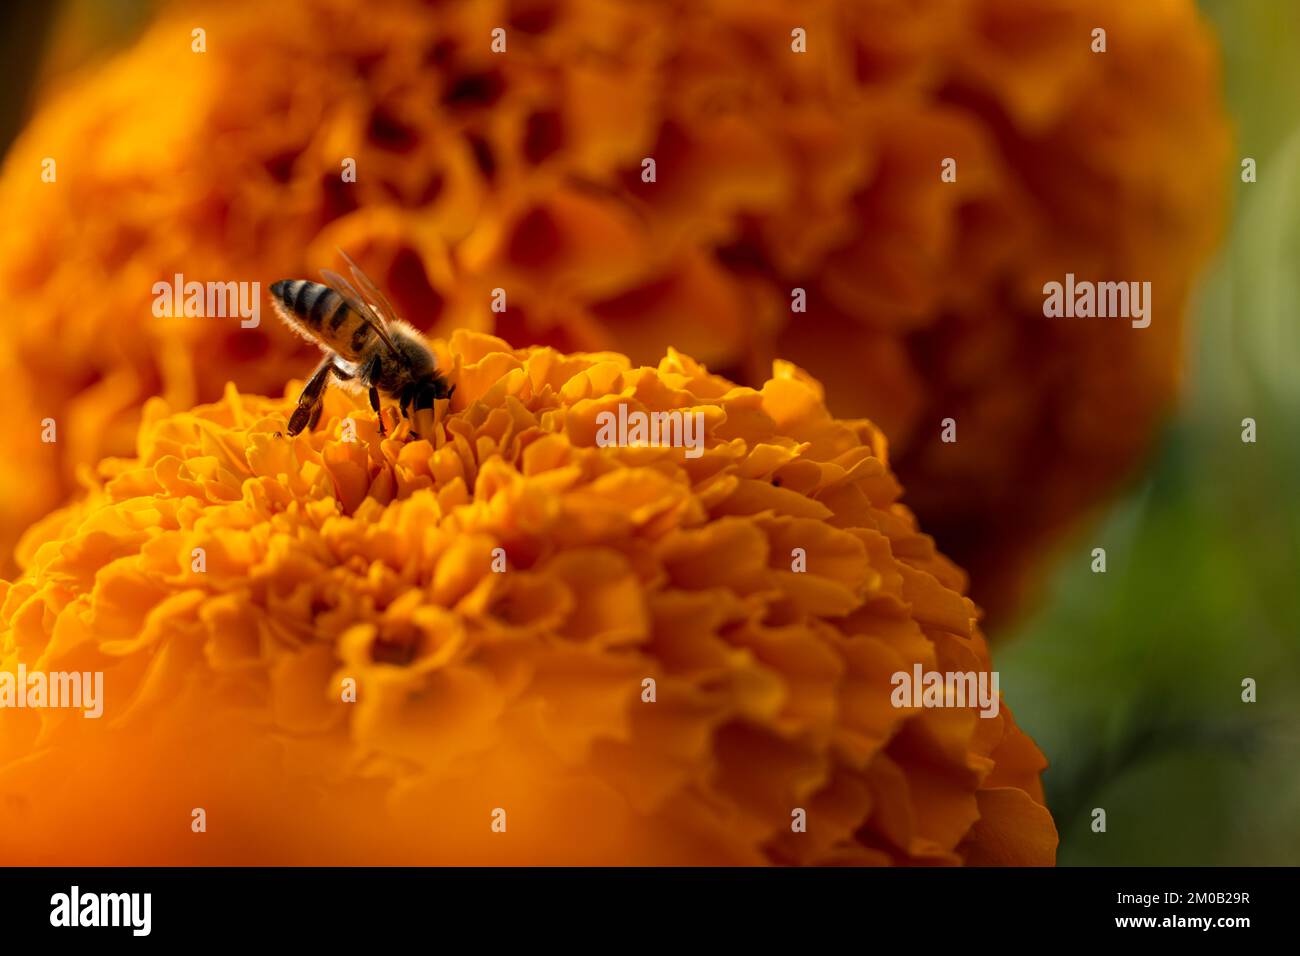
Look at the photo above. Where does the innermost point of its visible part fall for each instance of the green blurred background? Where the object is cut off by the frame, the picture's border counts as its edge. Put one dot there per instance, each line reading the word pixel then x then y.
pixel 1131 681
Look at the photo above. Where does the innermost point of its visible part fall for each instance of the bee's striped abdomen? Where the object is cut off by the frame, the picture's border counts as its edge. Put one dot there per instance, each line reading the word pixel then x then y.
pixel 322 314
pixel 311 303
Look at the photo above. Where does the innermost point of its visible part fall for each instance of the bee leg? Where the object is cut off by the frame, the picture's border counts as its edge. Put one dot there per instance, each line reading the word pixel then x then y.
pixel 420 399
pixel 311 401
pixel 370 374
pixel 374 403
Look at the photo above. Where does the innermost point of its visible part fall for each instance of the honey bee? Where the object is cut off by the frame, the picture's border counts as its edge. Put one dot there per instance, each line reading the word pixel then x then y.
pixel 365 344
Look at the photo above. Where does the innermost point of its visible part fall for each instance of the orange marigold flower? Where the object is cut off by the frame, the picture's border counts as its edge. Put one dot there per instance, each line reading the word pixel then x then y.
pixel 230 582
pixel 774 170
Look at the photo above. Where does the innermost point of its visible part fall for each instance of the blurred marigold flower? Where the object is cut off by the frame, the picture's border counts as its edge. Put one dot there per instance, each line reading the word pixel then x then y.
pixel 774 170
pixel 372 560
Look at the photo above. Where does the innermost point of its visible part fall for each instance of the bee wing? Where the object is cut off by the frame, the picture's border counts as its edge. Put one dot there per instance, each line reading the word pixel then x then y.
pixel 372 294
pixel 360 306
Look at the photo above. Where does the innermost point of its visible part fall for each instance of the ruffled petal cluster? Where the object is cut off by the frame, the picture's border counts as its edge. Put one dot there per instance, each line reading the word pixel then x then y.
pixel 346 648
pixel 525 171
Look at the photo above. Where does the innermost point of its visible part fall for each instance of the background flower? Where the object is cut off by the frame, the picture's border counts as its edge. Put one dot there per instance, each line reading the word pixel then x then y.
pixel 328 560
pixel 775 170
